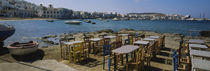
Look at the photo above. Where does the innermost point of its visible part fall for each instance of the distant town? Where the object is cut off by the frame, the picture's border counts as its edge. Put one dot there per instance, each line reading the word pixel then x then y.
pixel 24 9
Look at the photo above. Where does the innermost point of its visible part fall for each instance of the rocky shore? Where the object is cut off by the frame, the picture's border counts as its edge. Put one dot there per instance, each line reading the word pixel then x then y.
pixel 95 64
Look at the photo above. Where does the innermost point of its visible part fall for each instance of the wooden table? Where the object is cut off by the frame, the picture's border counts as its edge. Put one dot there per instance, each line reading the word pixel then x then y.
pixel 149 39
pixel 70 43
pixel 200 64
pixel 140 42
pixel 154 37
pixel 196 41
pixel 124 50
pixel 110 37
pixel 96 40
pixel 197 46
pixel 199 53
pixel 123 34
pixel 66 52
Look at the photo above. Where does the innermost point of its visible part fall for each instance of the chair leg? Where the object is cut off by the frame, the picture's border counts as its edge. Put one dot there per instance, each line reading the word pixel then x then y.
pixel 126 67
pixel 70 57
pixel 104 62
pixel 75 58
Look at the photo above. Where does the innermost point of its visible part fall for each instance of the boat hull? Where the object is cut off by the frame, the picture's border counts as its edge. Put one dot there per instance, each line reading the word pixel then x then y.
pixel 6 31
pixel 22 51
pixel 73 22
pixel 23 48
pixel 5 34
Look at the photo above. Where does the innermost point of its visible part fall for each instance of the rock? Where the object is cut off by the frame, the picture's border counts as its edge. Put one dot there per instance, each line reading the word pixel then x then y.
pixel 205 33
pixel 127 29
pixel 49 36
pixel 106 30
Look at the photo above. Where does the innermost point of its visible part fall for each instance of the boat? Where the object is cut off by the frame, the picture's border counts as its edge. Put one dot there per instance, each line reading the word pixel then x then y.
pixel 93 23
pixel 17 48
pixel 99 18
pixel 115 19
pixel 5 32
pixel 73 22
pixel 50 20
pixel 87 21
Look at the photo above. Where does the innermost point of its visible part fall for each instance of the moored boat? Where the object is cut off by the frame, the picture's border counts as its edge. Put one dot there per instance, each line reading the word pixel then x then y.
pixel 115 19
pixel 87 21
pixel 73 22
pixel 5 32
pixel 50 20
pixel 23 48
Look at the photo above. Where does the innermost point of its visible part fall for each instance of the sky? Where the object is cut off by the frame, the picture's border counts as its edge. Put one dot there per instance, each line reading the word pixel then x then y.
pixel 196 8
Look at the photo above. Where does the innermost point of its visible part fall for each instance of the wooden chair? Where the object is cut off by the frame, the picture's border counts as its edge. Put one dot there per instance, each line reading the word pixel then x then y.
pixel 106 53
pixel 155 49
pixel 159 44
pixel 76 52
pixel 86 49
pixel 118 41
pixel 138 62
pixel 64 47
pixel 130 40
pixel 87 45
pixel 149 53
pixel 137 36
pixel 98 48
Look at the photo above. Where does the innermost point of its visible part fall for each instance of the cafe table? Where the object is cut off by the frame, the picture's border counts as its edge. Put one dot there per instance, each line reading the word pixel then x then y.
pixel 66 52
pixel 154 37
pixel 95 40
pixel 196 41
pixel 199 46
pixel 124 50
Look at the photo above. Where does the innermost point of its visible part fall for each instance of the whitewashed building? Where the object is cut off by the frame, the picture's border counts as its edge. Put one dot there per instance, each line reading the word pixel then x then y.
pixel 51 12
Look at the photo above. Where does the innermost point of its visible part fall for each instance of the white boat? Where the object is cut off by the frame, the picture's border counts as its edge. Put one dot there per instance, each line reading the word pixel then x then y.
pixel 115 19
pixel 73 22
pixel 23 48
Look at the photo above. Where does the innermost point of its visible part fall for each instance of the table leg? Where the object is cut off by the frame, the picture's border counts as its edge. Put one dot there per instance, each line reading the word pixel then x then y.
pixel 115 66
pixel 126 58
pixel 93 47
pixel 122 59
pixel 96 48
pixel 134 55
pixel 109 63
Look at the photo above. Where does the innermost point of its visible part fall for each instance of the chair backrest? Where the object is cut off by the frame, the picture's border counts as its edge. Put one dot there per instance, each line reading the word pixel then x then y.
pixel 119 39
pixel 87 37
pixel 143 53
pixel 130 37
pixel 77 47
pixel 102 36
pixel 150 48
pixel 175 60
pixel 106 49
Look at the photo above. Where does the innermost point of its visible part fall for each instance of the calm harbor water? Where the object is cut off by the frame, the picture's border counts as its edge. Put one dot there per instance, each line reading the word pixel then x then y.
pixel 31 29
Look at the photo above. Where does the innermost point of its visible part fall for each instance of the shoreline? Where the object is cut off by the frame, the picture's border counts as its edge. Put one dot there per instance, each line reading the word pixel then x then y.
pixel 19 19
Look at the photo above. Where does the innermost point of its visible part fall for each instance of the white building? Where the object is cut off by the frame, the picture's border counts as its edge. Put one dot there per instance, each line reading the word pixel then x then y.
pixel 51 12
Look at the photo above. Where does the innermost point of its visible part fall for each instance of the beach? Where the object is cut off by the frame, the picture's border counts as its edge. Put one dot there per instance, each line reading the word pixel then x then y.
pixel 163 62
